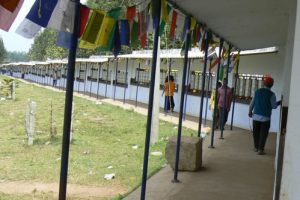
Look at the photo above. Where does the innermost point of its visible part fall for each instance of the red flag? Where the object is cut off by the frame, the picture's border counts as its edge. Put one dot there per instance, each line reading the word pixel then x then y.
pixel 7 17
pixel 84 16
pixel 212 65
pixel 197 35
pixel 143 39
pixel 143 19
pixel 173 24
pixel 10 5
pixel 131 12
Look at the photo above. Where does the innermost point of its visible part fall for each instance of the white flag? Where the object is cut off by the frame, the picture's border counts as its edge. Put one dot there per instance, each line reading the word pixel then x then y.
pixel 62 18
pixel 179 24
pixel 28 29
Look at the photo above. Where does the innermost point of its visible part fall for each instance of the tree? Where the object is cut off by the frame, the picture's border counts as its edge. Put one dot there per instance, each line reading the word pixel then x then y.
pixel 2 51
pixel 44 47
pixel 15 56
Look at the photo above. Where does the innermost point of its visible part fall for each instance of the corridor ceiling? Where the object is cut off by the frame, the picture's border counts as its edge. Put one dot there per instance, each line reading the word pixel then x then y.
pixel 247 24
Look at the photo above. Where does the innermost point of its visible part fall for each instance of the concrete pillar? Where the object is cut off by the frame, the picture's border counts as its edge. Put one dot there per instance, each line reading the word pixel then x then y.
pixel 156 100
pixel 291 165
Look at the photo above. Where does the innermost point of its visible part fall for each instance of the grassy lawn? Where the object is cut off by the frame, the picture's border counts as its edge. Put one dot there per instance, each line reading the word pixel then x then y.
pixel 103 137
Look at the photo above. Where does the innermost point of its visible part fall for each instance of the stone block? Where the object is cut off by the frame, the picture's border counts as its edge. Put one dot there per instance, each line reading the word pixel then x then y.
pixel 190 158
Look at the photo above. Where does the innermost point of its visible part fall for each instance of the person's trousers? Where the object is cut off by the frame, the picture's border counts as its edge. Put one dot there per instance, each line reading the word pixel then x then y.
pixel 169 103
pixel 223 116
pixel 260 134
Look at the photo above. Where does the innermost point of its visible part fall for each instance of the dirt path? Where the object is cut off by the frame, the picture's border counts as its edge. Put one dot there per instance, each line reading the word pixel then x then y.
pixel 79 191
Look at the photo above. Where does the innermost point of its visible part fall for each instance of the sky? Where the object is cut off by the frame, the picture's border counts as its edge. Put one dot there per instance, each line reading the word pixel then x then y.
pixel 13 41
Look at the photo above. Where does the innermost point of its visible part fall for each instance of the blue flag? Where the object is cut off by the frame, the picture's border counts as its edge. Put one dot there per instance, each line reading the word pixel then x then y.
pixel 117 42
pixel 124 32
pixel 64 39
pixel 185 27
pixel 41 11
pixel 156 9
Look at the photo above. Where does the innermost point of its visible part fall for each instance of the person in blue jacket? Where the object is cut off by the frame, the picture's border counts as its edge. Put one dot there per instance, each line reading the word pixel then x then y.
pixel 260 110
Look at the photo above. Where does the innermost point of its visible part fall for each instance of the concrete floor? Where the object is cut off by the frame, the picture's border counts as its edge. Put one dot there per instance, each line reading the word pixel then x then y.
pixel 231 171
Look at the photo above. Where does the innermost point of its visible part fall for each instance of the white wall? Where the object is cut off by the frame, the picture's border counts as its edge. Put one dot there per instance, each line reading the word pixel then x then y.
pixel 291 165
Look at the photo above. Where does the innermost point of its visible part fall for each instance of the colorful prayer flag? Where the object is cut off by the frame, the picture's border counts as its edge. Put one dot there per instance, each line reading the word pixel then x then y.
pixel 106 34
pixel 134 37
pixel 173 24
pixel 62 17
pixel 116 42
pixel 143 20
pixel 10 5
pixel 179 24
pixel 131 13
pixel 7 18
pixel 164 11
pixel 41 11
pixel 185 27
pixel 28 29
pixel 124 32
pixel 84 16
pixel 64 39
pixel 156 9
pixel 236 63
pixel 143 40
pixel 91 34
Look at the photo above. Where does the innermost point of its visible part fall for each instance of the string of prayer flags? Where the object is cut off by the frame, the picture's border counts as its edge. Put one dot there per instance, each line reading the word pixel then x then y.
pixel 10 5
pixel 7 17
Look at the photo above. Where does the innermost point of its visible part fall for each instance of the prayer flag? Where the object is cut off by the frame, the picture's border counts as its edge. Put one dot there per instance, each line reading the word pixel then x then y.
pixel 28 29
pixel 64 39
pixel 134 39
pixel 185 27
pixel 124 32
pixel 84 16
pixel 116 42
pixel 7 18
pixel 193 23
pixel 41 11
pixel 90 35
pixel 131 12
pixel 164 11
pixel 143 39
pixel 179 24
pixel 173 24
pixel 143 20
pixel 156 8
pixel 236 62
pixel 108 26
pixel 9 5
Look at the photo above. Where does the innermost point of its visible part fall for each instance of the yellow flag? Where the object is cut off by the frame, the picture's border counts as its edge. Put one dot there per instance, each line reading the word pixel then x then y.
pixel 90 37
pixel 236 62
pixel 105 31
pixel 193 23
pixel 164 10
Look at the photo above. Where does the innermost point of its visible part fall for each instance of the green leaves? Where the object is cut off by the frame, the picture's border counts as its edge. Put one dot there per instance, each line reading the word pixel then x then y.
pixel 2 51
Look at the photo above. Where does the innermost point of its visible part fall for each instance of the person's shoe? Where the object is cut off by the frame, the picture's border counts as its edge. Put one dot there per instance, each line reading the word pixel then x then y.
pixel 261 152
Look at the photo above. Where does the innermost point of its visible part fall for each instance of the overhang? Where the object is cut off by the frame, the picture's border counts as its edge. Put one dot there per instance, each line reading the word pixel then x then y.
pixel 247 24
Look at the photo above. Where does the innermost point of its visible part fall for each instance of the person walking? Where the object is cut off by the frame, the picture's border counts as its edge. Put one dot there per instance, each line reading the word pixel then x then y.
pixel 224 102
pixel 169 88
pixel 260 111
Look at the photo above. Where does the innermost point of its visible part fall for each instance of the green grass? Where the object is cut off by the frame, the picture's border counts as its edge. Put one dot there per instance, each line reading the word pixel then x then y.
pixel 104 136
